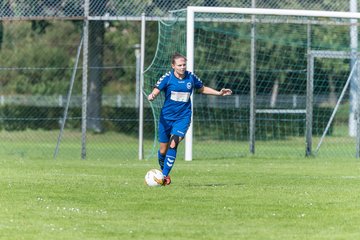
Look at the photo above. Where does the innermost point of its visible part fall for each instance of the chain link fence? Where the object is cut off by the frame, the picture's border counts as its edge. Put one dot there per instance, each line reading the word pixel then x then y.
pixel 38 44
pixel 22 9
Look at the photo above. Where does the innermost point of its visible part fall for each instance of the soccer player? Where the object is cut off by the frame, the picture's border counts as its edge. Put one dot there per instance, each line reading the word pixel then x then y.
pixel 175 116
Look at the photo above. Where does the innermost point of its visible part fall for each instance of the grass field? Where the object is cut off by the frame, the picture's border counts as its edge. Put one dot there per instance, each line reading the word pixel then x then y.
pixel 239 198
pixel 245 197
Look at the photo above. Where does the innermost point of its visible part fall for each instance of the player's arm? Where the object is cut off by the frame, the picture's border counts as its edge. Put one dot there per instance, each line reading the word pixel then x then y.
pixel 210 91
pixel 155 92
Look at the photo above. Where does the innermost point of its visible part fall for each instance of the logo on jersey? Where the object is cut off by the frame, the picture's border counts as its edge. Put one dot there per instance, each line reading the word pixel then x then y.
pixel 188 85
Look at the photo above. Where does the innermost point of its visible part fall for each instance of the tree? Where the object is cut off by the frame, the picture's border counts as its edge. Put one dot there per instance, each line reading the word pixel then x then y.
pixel 1 34
pixel 96 42
pixel 96 56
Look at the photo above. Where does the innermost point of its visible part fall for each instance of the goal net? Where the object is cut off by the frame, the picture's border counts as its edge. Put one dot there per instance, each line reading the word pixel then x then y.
pixel 264 58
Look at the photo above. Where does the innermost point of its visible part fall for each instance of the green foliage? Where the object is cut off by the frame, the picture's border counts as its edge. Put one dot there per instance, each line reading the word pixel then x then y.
pixel 41 59
pixel 125 120
pixel 37 58
pixel 37 62
pixel 121 120
pixel 269 126
pixel 121 38
pixel 39 27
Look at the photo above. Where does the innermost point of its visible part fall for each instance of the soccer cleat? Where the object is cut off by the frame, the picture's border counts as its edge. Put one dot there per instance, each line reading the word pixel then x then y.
pixel 166 181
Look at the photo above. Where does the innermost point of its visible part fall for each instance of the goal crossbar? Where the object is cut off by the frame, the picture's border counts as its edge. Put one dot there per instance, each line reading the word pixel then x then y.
pixel 281 111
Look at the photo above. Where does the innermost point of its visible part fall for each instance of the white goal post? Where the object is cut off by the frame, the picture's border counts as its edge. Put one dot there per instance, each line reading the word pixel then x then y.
pixel 191 11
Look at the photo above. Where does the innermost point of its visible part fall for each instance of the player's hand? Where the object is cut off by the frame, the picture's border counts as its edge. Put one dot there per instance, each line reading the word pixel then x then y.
pixel 151 97
pixel 225 92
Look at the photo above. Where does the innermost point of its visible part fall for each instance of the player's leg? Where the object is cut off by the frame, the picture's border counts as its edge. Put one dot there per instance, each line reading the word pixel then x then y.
pixel 164 138
pixel 171 154
pixel 161 154
pixel 178 132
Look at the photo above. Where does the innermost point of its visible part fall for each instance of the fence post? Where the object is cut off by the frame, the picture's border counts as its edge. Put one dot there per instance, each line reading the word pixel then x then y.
pixel 309 104
pixel 252 124
pixel 85 79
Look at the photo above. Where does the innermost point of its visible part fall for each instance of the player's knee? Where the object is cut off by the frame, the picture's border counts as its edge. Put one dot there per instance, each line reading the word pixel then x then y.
pixel 174 141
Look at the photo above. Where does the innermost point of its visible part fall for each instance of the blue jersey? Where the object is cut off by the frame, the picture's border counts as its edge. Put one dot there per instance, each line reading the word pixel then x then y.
pixel 177 91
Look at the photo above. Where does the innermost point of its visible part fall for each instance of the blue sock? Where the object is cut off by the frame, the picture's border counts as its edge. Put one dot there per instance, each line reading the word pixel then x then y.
pixel 161 159
pixel 169 161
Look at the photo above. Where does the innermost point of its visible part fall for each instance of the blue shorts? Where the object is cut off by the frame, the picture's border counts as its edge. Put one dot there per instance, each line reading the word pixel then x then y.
pixel 177 127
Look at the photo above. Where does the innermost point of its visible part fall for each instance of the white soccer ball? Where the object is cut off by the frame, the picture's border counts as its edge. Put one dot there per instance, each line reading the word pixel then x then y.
pixel 154 178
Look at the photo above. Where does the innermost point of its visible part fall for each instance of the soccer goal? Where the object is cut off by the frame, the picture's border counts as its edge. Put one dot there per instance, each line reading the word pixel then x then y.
pixel 281 101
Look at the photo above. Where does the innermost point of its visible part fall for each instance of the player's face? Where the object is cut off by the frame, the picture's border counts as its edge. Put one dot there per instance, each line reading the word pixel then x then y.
pixel 179 67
